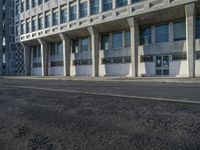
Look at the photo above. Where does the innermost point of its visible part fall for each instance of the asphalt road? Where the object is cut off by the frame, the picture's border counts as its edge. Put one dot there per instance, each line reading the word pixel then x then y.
pixel 94 115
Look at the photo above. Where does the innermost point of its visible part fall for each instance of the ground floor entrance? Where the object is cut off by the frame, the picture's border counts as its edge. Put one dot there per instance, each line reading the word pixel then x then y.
pixel 162 65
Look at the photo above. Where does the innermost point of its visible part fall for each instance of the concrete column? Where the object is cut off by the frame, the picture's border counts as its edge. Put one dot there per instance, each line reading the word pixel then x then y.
pixel 44 57
pixel 66 54
pixel 134 31
pixel 190 38
pixel 27 59
pixel 95 50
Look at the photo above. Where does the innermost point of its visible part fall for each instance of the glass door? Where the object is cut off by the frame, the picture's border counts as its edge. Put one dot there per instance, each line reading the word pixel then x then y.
pixel 162 65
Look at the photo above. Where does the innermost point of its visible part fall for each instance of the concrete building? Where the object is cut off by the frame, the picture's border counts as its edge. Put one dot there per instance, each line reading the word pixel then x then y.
pixel 7 38
pixel 109 37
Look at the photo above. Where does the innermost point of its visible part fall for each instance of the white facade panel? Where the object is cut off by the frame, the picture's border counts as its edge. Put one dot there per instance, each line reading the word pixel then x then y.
pixel 115 69
pixel 146 69
pixel 178 68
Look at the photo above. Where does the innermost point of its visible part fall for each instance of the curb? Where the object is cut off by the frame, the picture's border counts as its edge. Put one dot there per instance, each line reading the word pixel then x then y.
pixel 110 79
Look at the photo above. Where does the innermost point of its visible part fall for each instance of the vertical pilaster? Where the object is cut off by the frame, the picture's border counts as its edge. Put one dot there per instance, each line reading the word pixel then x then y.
pixel 66 54
pixel 95 50
pixel 100 6
pixel 44 57
pixel 134 31
pixel 88 9
pixel 68 11
pixel 190 38
pixel 78 9
pixel 27 59
pixel 114 4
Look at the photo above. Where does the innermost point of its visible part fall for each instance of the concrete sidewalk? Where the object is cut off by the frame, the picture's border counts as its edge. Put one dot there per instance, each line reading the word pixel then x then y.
pixel 108 78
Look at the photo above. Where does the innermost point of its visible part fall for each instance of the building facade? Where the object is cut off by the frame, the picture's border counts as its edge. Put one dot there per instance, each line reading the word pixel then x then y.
pixel 7 38
pixel 109 37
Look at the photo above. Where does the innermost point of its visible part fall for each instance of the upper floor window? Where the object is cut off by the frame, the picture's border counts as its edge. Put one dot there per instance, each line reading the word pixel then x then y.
pixel 22 28
pixel 27 4
pixel 117 40
pixel 121 3
pixel 47 20
pixel 17 30
pixel 136 1
pixel 73 13
pixel 94 7
pixel 28 24
pixel 179 31
pixel 40 23
pixel 198 28
pixel 83 10
pixel 17 9
pixel 39 2
pixel 22 6
pixel 145 35
pixel 162 33
pixel 33 3
pixel 63 16
pixel 34 25
pixel 55 18
pixel 107 5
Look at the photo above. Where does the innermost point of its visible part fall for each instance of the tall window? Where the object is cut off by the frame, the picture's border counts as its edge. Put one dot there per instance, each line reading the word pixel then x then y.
pixel 34 25
pixel 73 13
pixel 27 4
pixel 22 6
pixel 17 30
pixel 36 51
pixel 94 7
pixel 33 3
pixel 145 36
pixel 162 33
pixel 40 23
pixel 55 18
pixel 107 5
pixel 136 1
pixel 117 40
pixel 63 16
pixel 39 2
pixel 17 9
pixel 179 31
pixel 198 28
pixel 28 26
pixel 56 49
pixel 121 3
pixel 47 20
pixel 83 10
pixel 127 39
pixel 105 42
pixel 75 46
pixel 22 28
pixel 84 44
